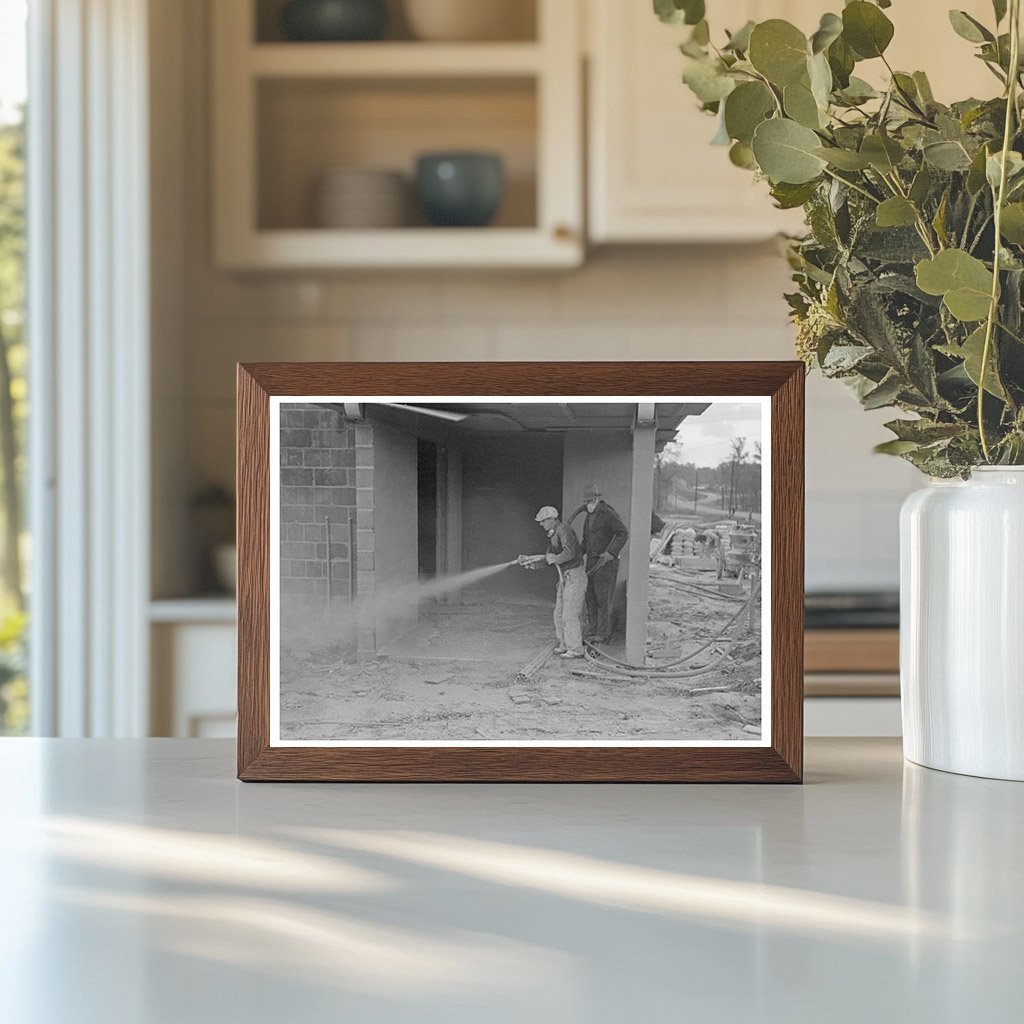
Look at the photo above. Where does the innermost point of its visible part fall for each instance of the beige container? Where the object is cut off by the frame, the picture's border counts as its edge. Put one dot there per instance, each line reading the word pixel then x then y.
pixel 471 20
pixel 361 198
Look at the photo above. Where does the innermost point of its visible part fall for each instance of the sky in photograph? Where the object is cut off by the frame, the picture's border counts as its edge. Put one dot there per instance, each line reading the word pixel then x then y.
pixel 706 439
pixel 12 56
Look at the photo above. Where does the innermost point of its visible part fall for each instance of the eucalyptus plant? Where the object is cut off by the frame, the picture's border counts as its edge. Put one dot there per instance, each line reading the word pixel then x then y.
pixel 909 280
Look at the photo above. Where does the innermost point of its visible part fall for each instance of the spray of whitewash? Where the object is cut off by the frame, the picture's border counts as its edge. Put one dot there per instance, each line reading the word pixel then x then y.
pixel 340 622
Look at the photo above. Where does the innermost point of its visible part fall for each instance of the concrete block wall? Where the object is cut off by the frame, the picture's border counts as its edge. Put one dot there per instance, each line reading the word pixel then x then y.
pixel 318 489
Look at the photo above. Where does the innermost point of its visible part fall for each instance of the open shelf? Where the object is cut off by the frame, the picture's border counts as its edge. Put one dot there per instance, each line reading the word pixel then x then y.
pixel 311 126
pixel 520 17
pixel 393 60
pixel 404 248
pixel 286 114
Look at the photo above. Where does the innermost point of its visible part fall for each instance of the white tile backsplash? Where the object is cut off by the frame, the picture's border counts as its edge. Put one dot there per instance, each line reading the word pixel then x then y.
pixel 718 303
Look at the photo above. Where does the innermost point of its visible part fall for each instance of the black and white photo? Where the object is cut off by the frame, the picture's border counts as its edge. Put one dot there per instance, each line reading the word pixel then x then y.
pixel 488 571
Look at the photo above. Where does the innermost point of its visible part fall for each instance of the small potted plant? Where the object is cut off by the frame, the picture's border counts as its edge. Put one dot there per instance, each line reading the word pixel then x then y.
pixel 214 511
pixel 908 288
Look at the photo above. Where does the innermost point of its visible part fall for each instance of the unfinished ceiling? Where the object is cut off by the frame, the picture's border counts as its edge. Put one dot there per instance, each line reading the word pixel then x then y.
pixel 512 417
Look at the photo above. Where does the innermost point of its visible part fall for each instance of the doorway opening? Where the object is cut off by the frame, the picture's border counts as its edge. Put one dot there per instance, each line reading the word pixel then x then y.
pixel 429 464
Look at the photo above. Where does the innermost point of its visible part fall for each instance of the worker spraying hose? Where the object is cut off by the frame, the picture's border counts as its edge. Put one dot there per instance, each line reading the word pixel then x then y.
pixel 565 553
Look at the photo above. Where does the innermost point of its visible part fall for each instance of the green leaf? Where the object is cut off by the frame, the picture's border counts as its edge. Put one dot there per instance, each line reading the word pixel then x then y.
pixel 739 41
pixel 1012 223
pixel 923 431
pixel 883 153
pixel 946 156
pixel 701 33
pixel 971 352
pixel 896 212
pixel 968 28
pixel 866 29
pixel 885 394
pixel 708 80
pixel 963 281
pixel 694 11
pixel 858 91
pixel 676 12
pixel 999 7
pixel 820 76
pixel 778 50
pixel 785 152
pixel 830 28
pixel 1014 169
pixel 921 185
pixel 895 447
pixel 939 220
pixel 924 87
pixel 976 173
pixel 906 89
pixel 745 108
pixel 844 159
pixel 741 155
pixel 800 105
pixel 789 197
pixel 841 60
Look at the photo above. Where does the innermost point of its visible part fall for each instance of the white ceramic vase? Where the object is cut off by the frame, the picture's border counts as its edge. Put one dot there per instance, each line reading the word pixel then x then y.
pixel 962 624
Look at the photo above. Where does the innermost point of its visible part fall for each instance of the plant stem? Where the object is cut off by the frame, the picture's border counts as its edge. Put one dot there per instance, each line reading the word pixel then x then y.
pixel 922 225
pixel 993 309
pixel 855 187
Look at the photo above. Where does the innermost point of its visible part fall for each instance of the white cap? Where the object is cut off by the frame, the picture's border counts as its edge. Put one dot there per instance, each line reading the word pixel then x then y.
pixel 547 512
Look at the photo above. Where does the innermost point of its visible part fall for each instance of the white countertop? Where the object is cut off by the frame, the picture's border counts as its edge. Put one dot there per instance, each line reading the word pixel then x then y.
pixel 143 885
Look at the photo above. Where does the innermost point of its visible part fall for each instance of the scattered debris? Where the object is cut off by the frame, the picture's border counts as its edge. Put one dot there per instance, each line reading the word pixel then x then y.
pixel 534 665
pixel 478 648
pixel 437 679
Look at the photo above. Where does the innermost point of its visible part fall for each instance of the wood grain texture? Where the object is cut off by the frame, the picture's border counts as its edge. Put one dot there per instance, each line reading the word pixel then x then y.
pixel 252 487
pixel 782 762
pixel 787 569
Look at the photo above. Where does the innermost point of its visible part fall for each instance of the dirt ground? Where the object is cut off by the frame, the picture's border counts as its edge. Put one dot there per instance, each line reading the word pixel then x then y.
pixel 452 680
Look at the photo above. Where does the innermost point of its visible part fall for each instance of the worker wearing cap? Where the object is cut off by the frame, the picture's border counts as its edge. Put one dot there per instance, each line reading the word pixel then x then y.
pixel 564 552
pixel 604 536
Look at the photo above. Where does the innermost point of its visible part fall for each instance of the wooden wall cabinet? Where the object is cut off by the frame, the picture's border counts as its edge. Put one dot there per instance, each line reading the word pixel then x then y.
pixel 286 112
pixel 653 175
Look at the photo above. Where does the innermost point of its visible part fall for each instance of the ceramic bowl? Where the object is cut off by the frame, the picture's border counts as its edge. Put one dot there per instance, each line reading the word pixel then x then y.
pixel 460 189
pixel 334 20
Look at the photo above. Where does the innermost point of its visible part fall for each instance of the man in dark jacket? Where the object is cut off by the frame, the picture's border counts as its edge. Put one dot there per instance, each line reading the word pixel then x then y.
pixel 604 536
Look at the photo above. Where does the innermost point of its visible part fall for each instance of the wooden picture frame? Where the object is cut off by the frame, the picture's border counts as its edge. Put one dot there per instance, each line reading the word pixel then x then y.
pixel 777 386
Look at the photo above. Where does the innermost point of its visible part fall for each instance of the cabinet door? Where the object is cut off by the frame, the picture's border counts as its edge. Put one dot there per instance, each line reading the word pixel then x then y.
pixel 654 176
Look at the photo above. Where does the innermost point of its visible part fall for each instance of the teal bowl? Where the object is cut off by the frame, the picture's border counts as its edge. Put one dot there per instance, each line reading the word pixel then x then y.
pixel 334 21
pixel 460 190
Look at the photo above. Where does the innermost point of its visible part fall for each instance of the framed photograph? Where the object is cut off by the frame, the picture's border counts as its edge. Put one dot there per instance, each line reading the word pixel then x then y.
pixel 520 572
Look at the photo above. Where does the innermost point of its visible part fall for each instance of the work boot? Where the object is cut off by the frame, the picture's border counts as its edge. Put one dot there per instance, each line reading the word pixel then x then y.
pixel 569 655
pixel 561 649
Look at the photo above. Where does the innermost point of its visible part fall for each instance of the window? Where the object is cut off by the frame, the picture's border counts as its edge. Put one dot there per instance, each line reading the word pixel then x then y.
pixel 14 549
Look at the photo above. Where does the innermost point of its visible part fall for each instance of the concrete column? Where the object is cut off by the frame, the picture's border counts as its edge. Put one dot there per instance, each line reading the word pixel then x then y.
pixel 641 504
